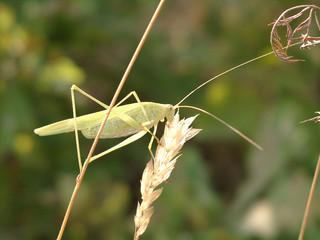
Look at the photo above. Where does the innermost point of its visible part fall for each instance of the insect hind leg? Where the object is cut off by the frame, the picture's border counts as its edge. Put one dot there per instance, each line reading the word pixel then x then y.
pixel 135 95
pixel 73 89
pixel 124 116
pixel 125 142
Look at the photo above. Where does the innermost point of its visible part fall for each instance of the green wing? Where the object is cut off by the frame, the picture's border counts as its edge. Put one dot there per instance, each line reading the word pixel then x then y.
pixel 123 121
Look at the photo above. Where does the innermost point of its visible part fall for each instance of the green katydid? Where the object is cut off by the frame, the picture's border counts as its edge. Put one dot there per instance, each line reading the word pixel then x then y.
pixel 133 120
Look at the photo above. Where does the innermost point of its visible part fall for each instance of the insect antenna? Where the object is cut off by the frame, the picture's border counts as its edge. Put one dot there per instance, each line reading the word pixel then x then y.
pixel 221 74
pixel 224 123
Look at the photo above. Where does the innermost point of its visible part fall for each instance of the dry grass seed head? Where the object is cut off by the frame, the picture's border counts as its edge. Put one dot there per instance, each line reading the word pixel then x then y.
pixel 305 25
pixel 175 135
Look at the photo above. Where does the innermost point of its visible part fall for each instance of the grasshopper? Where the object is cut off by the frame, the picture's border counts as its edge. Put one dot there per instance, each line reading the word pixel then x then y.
pixel 133 120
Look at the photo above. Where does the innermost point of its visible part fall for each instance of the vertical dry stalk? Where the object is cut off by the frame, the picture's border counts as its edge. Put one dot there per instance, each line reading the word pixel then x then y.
pixel 303 27
pixel 175 135
pixel 308 206
pixel 312 189
pixel 111 105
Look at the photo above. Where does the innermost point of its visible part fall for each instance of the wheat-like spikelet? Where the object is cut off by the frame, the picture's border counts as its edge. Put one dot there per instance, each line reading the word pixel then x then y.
pixel 175 135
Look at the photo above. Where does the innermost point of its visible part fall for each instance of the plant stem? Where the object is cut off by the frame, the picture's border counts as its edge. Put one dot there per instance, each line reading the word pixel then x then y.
pixel 306 213
pixel 113 101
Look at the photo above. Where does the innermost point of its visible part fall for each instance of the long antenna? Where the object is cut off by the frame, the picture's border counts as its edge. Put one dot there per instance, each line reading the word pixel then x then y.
pixel 226 124
pixel 227 71
pixel 221 74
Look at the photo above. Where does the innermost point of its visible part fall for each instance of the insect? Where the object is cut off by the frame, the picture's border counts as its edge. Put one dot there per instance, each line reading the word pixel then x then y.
pixel 133 120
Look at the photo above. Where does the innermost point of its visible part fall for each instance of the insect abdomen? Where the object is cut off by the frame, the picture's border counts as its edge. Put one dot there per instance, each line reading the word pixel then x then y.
pixel 116 127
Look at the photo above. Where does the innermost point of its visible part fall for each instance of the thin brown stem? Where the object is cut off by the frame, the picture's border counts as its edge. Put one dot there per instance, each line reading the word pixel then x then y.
pixel 113 101
pixel 306 213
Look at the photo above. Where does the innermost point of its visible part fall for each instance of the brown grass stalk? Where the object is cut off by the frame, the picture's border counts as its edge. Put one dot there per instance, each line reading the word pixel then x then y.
pixel 111 105
pixel 159 169
pixel 308 206
pixel 312 189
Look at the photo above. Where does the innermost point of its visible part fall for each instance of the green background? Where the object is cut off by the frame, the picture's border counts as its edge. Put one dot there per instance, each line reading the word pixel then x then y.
pixel 222 187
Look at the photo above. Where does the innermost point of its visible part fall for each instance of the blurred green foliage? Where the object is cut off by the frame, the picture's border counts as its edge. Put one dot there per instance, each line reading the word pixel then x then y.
pixel 221 188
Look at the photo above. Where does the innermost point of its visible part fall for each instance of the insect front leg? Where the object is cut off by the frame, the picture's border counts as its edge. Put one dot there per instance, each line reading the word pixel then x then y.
pixel 135 95
pixel 151 140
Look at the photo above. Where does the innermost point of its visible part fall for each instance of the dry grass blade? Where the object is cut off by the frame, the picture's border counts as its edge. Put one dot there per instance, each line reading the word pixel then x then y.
pixel 158 171
pixel 304 25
